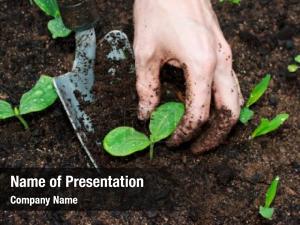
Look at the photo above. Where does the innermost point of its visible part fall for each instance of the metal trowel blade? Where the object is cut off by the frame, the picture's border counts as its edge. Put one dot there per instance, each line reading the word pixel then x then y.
pixel 75 87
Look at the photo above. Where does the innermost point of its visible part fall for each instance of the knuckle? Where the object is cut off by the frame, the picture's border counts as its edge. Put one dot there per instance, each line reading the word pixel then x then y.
pixel 206 61
pixel 225 56
pixel 207 58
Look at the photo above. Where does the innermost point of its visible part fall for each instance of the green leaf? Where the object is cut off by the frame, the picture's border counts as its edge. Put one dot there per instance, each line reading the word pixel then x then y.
pixel 266 213
pixel 165 120
pixel 56 25
pixel 40 97
pixel 6 110
pixel 124 141
pixel 21 119
pixel 271 192
pixel 267 126
pixel 293 68
pixel 50 7
pixel 232 1
pixel 259 90
pixel 246 115
pixel 297 58
pixel 57 28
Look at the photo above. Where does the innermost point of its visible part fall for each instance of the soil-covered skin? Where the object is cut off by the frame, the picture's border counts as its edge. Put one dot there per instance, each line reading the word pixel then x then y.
pixel 228 183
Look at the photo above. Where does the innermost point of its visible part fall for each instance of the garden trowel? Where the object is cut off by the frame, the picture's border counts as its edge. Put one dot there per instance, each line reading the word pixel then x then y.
pixel 75 88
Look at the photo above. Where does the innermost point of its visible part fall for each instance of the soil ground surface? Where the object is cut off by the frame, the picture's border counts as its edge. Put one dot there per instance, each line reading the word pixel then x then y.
pixel 228 183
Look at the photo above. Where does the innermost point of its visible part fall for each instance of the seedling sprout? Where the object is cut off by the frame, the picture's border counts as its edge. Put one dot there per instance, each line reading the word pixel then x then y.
pixel 258 91
pixel 56 25
pixel 292 68
pixel 265 211
pixel 297 58
pixel 267 126
pixel 40 97
pixel 124 141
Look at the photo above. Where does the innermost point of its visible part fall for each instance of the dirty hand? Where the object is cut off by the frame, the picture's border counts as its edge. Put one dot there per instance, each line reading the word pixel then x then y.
pixel 187 34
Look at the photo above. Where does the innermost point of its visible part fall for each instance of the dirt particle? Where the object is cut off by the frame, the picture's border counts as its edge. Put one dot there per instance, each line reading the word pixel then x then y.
pixel 224 174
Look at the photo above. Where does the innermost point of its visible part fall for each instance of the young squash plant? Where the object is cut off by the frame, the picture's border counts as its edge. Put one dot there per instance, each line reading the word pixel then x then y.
pixel 40 97
pixel 246 113
pixel 267 126
pixel 124 141
pixel 56 25
pixel 292 68
pixel 265 211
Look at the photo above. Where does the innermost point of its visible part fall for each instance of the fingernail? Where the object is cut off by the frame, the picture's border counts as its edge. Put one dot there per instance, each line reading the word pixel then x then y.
pixel 143 114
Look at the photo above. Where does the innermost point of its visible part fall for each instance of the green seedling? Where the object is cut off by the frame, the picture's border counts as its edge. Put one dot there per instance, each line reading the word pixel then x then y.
pixel 124 141
pixel 267 126
pixel 297 58
pixel 246 115
pixel 56 25
pixel 231 1
pixel 40 97
pixel 295 66
pixel 257 92
pixel 265 211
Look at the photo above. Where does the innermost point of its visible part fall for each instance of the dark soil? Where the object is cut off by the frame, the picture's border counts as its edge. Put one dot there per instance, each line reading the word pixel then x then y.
pixel 229 183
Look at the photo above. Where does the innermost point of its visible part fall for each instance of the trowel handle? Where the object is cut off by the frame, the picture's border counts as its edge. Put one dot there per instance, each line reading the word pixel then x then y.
pixel 79 15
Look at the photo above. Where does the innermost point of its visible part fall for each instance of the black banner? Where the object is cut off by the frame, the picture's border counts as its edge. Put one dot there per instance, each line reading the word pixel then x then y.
pixel 88 189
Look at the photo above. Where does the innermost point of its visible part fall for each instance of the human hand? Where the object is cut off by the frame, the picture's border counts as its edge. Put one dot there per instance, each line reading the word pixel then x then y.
pixel 187 34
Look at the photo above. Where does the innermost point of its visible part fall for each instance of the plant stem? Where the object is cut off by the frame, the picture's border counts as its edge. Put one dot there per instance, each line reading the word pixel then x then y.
pixel 151 151
pixel 21 119
pixel 25 124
